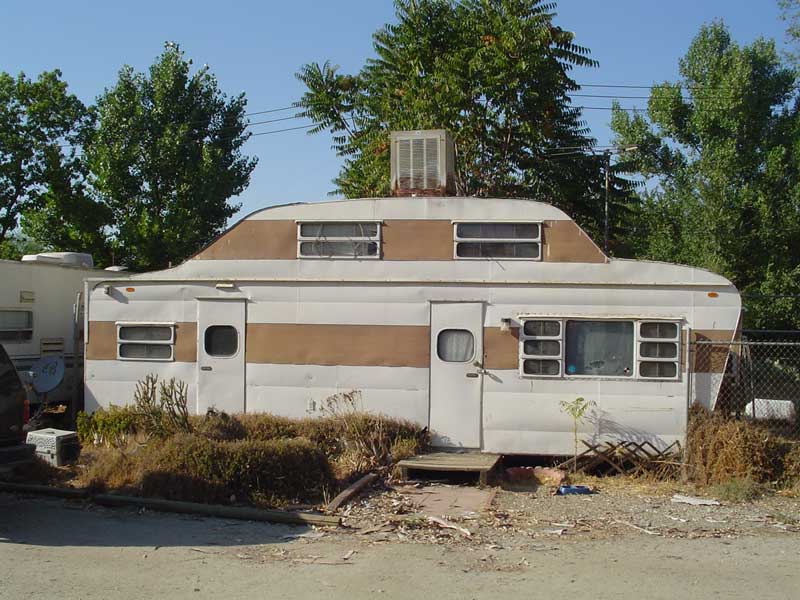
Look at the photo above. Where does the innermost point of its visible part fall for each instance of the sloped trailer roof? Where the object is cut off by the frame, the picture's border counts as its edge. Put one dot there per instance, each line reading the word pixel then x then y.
pixel 311 325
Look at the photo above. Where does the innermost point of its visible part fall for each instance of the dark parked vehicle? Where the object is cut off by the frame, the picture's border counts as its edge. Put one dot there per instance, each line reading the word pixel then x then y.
pixel 12 402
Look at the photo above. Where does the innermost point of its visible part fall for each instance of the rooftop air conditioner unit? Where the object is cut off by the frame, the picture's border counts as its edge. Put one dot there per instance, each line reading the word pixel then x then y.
pixel 423 163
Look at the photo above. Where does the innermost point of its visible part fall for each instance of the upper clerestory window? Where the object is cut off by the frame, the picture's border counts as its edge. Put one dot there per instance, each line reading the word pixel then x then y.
pixel 499 240
pixel 339 239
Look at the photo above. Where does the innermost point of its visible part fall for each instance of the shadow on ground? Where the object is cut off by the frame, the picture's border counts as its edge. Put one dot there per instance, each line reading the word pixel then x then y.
pixel 37 521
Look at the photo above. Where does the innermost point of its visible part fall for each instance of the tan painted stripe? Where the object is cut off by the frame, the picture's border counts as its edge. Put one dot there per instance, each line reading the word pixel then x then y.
pixel 402 239
pixel 254 240
pixel 710 358
pixel 352 345
pixel 500 348
pixel 564 241
pixel 102 343
pixel 417 240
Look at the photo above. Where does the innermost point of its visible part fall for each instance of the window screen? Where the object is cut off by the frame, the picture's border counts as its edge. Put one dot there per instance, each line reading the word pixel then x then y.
pixel 498 240
pixel 145 351
pixel 599 348
pixel 16 325
pixel 659 347
pixel 455 345
pixel 221 340
pixel 346 239
pixel 146 334
pixel 145 341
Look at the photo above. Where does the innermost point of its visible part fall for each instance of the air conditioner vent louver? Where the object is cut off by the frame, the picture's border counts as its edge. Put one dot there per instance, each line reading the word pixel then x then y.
pixel 422 163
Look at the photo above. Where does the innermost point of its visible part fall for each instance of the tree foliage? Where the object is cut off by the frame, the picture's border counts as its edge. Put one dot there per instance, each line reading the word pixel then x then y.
pixel 722 145
pixel 165 159
pixel 496 73
pixel 41 127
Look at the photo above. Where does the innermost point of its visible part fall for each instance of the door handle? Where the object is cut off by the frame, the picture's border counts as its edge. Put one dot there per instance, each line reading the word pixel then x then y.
pixel 472 375
pixel 205 368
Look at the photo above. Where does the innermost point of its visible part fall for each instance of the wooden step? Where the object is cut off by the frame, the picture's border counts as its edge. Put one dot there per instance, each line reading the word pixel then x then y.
pixel 483 464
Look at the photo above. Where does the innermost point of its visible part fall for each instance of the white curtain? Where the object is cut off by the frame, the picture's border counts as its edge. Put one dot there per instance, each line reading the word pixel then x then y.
pixel 455 345
pixel 599 348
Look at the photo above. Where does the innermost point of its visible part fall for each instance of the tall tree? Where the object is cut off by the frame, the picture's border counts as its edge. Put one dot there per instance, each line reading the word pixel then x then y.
pixel 722 147
pixel 493 72
pixel 42 127
pixel 166 158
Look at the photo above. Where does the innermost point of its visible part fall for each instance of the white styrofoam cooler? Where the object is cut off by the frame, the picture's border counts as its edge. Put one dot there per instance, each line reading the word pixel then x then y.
pixel 55 446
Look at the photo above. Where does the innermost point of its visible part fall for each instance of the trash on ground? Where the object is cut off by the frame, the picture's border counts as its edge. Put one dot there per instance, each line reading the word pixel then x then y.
pixel 568 490
pixel 694 501
pixel 448 525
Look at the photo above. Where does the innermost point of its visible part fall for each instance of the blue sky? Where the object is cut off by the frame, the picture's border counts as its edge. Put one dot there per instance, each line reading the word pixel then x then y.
pixel 256 47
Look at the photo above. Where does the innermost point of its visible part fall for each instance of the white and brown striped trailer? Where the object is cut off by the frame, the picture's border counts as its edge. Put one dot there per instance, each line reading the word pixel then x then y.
pixel 473 316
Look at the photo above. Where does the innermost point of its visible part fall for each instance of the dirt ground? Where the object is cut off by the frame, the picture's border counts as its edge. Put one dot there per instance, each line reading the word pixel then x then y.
pixel 624 542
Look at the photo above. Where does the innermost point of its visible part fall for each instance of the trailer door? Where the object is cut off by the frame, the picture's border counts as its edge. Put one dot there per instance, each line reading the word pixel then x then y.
pixel 220 355
pixel 456 374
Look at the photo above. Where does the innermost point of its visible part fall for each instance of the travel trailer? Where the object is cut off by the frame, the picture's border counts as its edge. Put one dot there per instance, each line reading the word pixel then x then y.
pixel 39 297
pixel 475 317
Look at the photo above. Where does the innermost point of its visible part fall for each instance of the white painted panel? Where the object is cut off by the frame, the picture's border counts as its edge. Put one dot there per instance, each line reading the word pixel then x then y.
pixel 114 382
pixel 616 272
pixel 300 402
pixel 342 378
pixel 552 444
pixel 414 208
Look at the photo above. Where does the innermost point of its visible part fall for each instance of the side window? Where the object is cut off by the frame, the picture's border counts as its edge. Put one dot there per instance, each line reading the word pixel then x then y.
pixel 16 326
pixel 145 341
pixel 221 341
pixel 455 345
pixel 510 241
pixel 603 348
pixel 541 346
pixel 334 239
pixel 599 348
pixel 658 350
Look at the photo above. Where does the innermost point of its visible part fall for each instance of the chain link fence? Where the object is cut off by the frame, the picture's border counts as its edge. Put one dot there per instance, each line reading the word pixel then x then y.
pixel 758 378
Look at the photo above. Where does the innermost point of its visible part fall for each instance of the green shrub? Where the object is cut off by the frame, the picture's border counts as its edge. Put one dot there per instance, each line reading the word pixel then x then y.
pixel 268 427
pixel 109 427
pixel 219 426
pixel 738 490
pixel 791 467
pixel 163 413
pixel 195 468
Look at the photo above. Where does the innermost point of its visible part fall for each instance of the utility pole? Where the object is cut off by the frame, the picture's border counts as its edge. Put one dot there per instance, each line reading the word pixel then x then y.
pixel 608 154
pixel 605 220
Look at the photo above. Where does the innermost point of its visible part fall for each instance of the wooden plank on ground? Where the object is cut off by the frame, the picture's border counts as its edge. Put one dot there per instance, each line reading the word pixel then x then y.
pixel 352 490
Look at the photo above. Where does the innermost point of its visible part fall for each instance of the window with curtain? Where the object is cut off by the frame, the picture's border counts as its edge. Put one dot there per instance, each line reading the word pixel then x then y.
pixel 334 239
pixel 145 341
pixel 498 240
pixel 455 345
pixel 602 348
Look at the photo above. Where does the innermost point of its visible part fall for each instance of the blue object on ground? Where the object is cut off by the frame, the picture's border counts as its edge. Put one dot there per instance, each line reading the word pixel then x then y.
pixel 565 490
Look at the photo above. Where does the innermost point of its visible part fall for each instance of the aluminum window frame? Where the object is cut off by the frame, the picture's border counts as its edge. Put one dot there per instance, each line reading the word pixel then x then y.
pixel 537 240
pixel 377 239
pixel 523 337
pixel 142 324
pixel 29 330
pixel 638 339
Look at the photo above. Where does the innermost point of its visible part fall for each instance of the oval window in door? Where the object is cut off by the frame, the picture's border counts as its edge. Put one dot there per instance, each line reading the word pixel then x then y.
pixel 455 345
pixel 221 341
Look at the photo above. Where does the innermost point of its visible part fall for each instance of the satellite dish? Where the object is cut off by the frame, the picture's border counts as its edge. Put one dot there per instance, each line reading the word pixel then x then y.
pixel 48 372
